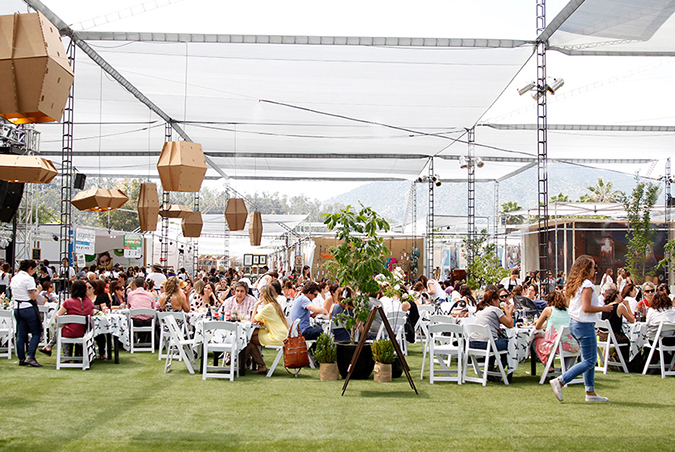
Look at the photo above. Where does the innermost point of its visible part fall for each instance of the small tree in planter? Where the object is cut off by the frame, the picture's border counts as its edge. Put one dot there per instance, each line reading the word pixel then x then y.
pixel 360 256
pixel 326 355
pixel 383 354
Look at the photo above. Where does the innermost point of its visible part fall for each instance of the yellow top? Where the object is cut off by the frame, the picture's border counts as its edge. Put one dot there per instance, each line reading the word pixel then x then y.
pixel 275 330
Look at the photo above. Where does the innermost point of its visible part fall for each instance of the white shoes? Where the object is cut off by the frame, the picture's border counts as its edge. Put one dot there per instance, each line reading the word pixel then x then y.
pixel 596 398
pixel 557 389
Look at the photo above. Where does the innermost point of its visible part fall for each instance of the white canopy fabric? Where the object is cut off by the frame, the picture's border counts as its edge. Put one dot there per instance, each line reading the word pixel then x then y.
pixel 581 209
pixel 302 104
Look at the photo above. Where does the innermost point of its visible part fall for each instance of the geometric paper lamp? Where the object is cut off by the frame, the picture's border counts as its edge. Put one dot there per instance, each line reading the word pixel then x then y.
pixel 35 74
pixel 148 207
pixel 174 211
pixel 181 166
pixel 235 214
pixel 192 225
pixel 26 168
pixel 255 228
pixel 100 199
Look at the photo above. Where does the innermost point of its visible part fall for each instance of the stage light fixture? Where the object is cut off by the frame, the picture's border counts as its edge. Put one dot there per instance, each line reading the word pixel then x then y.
pixel 526 89
pixel 479 162
pixel 555 86
pixel 463 163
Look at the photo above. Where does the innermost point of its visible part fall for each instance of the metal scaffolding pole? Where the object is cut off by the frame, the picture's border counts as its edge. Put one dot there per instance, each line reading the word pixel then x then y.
pixel 166 200
pixel 65 230
pixel 666 215
pixel 195 240
pixel 542 147
pixel 496 211
pixel 471 194
pixel 429 251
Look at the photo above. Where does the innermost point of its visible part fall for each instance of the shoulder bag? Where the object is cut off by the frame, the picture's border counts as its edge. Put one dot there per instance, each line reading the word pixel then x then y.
pixel 295 349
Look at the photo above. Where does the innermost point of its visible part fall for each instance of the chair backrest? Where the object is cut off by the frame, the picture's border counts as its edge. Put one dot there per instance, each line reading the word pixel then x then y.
pixel 42 308
pixel 6 314
pixel 174 314
pixel 174 330
pixel 440 328
pixel 66 319
pixel 473 329
pixel 425 310
pixel 523 303
pixel 210 327
pixel 443 319
pixel 466 320
pixel 666 330
pixel 142 311
pixel 294 329
pixel 446 307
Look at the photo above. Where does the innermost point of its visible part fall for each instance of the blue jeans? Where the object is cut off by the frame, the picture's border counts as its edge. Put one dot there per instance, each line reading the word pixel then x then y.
pixel 584 333
pixel 502 344
pixel 311 333
pixel 27 321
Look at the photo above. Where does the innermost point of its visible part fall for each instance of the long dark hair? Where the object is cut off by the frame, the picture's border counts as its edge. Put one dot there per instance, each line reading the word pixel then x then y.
pixel 78 289
pixel 27 264
pixel 465 291
pixel 488 298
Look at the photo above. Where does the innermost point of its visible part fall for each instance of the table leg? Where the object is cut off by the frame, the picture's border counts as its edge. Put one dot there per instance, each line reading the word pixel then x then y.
pixel 109 344
pixel 201 362
pixel 116 341
pixel 533 361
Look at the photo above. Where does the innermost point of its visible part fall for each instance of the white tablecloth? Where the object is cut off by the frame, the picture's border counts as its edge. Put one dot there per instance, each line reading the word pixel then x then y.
pixel 637 335
pixel 116 324
pixel 245 332
pixel 519 345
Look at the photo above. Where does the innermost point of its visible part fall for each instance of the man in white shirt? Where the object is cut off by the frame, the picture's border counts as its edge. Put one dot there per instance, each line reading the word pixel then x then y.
pixel 157 276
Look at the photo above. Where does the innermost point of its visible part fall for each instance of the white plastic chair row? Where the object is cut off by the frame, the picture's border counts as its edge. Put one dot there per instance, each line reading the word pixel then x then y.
pixel 229 335
pixel 164 336
pixel 397 321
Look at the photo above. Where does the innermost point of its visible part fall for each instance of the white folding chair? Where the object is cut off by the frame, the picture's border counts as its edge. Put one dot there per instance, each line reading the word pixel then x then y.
pixel 397 322
pixel 6 333
pixel 665 330
pixel 179 347
pixel 478 354
pixel 425 311
pixel 164 330
pixel 436 318
pixel 280 354
pixel 564 356
pixel 605 347
pixel 133 330
pixel 446 307
pixel 81 362
pixel 444 348
pixel 221 337
pixel 44 310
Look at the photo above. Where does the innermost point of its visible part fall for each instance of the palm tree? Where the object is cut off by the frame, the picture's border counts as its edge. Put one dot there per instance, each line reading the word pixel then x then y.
pixel 602 192
pixel 511 206
pixel 560 198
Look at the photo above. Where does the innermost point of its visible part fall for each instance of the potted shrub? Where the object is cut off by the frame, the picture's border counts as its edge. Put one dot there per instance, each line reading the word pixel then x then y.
pixel 358 258
pixel 383 354
pixel 326 355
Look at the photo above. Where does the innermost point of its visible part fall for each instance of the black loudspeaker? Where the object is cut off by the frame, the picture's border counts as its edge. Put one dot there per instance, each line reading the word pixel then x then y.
pixel 10 198
pixel 79 181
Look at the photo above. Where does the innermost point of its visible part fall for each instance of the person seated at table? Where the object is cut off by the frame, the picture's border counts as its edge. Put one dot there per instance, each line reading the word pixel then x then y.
pixel 116 296
pixel 489 314
pixel 619 314
pixel 48 294
pixel 648 289
pixel 422 296
pixel 241 303
pixel 194 298
pixel 281 299
pixel 273 327
pixel 329 296
pixel 521 302
pixel 139 298
pixel 660 311
pixel 207 297
pixel 150 288
pixel 79 303
pixel 554 317
pixel 173 299
pixel 664 288
pixel 461 306
pixel 531 291
pixel 289 290
pixel 628 295
pixel 303 308
pixel 101 300
pixel 342 305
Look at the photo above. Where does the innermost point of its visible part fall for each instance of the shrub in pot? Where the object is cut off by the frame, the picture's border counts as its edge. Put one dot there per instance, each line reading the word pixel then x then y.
pixel 383 354
pixel 326 355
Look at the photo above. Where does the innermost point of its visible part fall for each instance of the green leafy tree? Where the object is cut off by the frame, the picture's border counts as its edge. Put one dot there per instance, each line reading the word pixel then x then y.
pixel 360 256
pixel 125 219
pixel 640 234
pixel 511 206
pixel 602 192
pixel 485 267
pixel 560 198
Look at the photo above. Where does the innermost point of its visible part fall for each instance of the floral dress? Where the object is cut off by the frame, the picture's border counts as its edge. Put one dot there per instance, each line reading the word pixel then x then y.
pixel 557 320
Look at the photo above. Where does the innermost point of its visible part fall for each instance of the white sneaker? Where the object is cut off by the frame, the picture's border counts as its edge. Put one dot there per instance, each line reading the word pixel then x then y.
pixel 557 389
pixel 596 398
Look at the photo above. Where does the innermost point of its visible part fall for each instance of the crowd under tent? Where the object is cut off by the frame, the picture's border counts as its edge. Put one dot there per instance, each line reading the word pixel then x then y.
pixel 388 93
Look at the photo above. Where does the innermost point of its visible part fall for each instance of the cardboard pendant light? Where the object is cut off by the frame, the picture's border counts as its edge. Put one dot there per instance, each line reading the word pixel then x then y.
pixel 255 228
pixel 192 225
pixel 148 207
pixel 100 199
pixel 181 166
pixel 35 74
pixel 235 214
pixel 26 168
pixel 174 211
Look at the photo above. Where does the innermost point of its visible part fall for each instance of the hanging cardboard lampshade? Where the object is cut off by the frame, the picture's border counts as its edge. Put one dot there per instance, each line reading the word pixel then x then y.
pixel 235 214
pixel 35 74
pixel 174 211
pixel 148 207
pixel 255 228
pixel 181 166
pixel 26 168
pixel 192 225
pixel 100 199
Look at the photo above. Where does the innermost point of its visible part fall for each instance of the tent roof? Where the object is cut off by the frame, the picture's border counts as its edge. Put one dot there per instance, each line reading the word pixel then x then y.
pixel 349 106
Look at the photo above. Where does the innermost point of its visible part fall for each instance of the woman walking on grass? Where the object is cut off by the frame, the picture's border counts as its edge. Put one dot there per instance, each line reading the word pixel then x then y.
pixel 584 310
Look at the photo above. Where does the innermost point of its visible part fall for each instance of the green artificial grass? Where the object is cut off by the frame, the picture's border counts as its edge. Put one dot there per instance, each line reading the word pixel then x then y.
pixel 135 406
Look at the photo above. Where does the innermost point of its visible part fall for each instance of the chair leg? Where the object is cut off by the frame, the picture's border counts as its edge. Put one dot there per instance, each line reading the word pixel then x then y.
pixel 649 358
pixel 424 357
pixel 280 354
pixel 662 359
